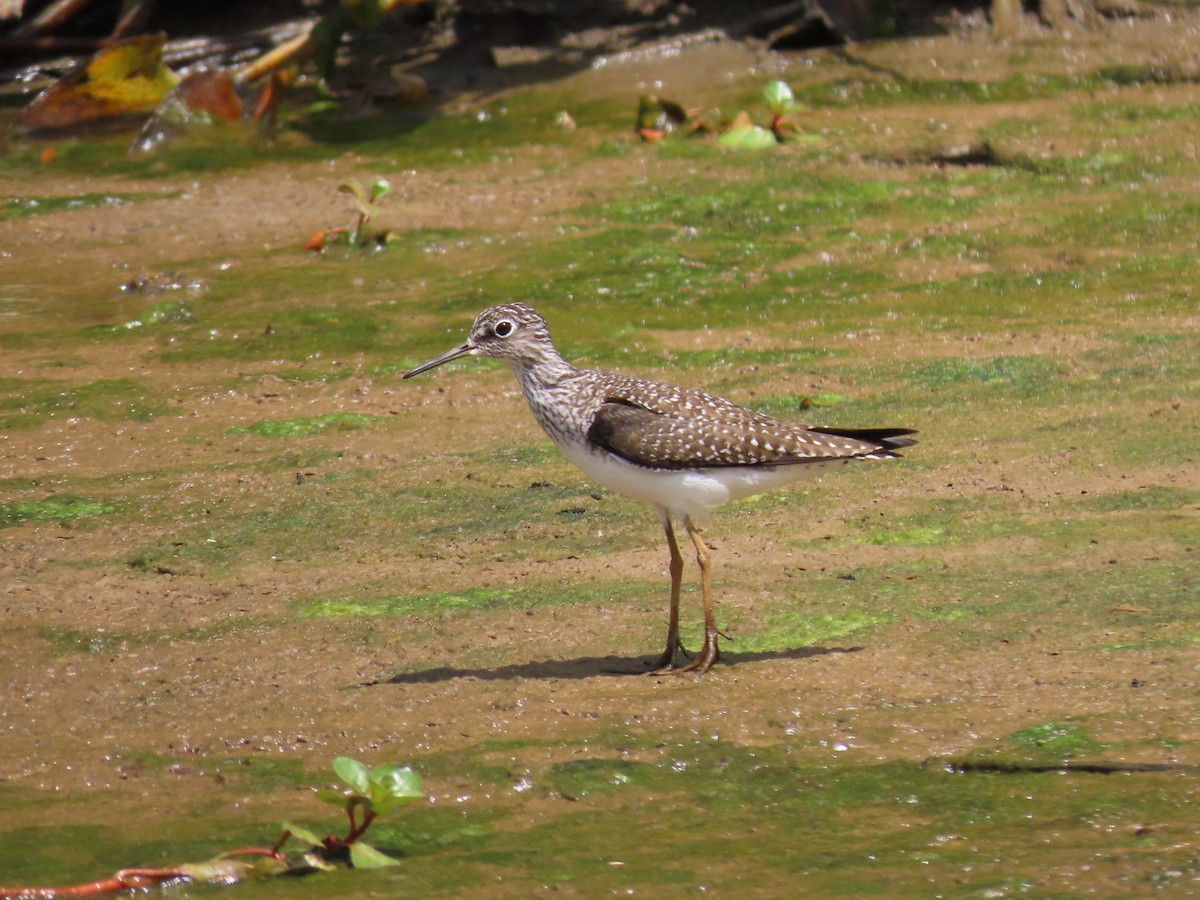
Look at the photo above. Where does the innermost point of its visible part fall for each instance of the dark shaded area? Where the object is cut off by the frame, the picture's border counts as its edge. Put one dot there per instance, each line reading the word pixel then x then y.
pixel 500 22
pixel 434 51
pixel 980 154
pixel 1097 767
pixel 496 34
pixel 592 666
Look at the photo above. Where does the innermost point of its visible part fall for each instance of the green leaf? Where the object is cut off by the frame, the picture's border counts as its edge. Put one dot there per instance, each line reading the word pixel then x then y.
pixel 747 137
pixel 352 187
pixel 380 187
pixel 779 97
pixel 303 835
pixel 354 774
pixel 364 856
pixel 333 798
pixel 392 784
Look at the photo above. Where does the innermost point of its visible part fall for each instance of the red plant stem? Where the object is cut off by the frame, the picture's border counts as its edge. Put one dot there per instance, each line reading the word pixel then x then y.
pixel 273 852
pixel 357 828
pixel 356 833
pixel 124 880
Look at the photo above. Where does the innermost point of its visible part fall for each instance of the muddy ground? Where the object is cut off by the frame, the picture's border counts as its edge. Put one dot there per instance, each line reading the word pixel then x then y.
pixel 146 680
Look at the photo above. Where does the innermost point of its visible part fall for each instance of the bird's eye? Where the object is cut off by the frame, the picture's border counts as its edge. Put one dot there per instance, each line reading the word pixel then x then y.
pixel 503 328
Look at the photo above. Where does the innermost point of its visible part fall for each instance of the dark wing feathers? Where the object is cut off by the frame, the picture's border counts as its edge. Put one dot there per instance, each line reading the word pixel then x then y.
pixel 886 438
pixel 688 429
pixel 625 428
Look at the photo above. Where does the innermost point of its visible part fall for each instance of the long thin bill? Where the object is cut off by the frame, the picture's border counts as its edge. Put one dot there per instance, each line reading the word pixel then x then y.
pixel 438 360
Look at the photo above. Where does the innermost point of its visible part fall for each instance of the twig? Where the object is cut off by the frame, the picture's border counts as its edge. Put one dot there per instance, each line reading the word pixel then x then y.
pixel 133 17
pixel 52 18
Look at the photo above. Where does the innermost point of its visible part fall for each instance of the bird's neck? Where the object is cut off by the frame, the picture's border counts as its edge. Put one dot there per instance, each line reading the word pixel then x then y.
pixel 549 384
pixel 541 372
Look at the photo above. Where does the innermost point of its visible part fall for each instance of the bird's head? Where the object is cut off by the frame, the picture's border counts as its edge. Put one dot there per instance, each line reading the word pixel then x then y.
pixel 509 331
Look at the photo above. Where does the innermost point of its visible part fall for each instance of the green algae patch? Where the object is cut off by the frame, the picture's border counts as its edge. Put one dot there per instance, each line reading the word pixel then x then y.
pixel 308 426
pixel 26 207
pixel 788 405
pixel 1057 739
pixel 164 312
pixel 57 854
pixel 29 403
pixel 252 773
pixel 1023 373
pixel 95 841
pixel 1018 595
pixel 768 204
pixel 838 825
pixel 294 527
pixel 261 329
pixel 66 641
pixel 1152 497
pixel 1181 642
pixel 843 826
pixel 73 640
pixel 882 92
pixel 922 536
pixel 213 155
pixel 786 631
pixel 530 515
pixel 1003 514
pixel 523 455
pixel 528 596
pixel 579 778
pixel 183 556
pixel 318 516
pixel 407 604
pixel 59 508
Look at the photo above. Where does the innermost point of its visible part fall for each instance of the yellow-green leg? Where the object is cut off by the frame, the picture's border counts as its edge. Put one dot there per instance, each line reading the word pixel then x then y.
pixel 666 662
pixel 710 653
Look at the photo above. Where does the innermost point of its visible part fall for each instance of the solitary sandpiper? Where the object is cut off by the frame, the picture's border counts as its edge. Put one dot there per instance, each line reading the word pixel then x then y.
pixel 683 451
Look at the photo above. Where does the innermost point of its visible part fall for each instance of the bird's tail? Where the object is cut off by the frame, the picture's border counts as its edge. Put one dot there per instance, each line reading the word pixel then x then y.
pixel 888 440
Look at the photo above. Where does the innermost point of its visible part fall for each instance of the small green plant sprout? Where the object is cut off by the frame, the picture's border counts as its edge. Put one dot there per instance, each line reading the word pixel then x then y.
pixel 782 103
pixel 744 134
pixel 366 199
pixel 658 118
pixel 372 793
pixel 784 106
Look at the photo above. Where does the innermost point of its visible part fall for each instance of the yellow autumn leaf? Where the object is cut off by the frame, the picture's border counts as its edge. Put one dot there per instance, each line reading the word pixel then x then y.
pixel 127 78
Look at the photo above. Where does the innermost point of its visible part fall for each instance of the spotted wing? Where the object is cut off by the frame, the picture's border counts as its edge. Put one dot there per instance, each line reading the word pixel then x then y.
pixel 698 431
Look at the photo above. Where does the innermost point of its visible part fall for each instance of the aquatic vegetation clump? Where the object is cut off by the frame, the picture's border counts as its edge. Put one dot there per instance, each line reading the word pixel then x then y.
pixel 367 794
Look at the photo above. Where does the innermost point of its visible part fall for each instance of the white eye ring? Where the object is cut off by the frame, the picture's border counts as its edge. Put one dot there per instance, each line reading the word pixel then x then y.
pixel 503 328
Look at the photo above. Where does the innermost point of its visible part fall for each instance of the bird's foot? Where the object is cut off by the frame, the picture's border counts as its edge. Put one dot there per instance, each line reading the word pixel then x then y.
pixel 666 662
pixel 709 655
pixel 707 658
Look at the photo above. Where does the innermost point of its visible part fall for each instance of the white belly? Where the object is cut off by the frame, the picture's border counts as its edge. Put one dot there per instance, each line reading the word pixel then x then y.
pixel 690 492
